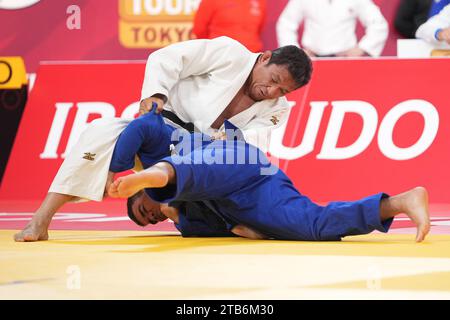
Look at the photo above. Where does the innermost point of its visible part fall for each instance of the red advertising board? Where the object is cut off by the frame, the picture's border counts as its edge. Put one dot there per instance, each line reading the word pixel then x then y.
pixel 382 125
pixel 361 126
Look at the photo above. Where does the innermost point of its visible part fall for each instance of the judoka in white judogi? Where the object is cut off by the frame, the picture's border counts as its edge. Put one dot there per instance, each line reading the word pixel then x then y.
pixel 201 77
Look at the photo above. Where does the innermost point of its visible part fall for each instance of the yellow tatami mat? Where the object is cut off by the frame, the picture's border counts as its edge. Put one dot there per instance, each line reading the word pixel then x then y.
pixel 162 265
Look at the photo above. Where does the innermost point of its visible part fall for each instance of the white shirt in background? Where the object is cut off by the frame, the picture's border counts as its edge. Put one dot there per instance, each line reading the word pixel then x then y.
pixel 330 26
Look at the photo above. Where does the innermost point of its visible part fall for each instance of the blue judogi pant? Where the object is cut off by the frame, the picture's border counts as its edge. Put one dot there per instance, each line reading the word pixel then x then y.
pixel 215 197
pixel 148 137
pixel 270 204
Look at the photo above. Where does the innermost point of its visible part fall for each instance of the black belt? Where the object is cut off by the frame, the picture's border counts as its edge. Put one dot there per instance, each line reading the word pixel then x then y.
pixel 189 126
pixel 326 55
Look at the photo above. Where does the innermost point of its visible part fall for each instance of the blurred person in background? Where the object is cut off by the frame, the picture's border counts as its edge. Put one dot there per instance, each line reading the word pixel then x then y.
pixel 437 7
pixel 330 27
pixel 437 29
pixel 410 15
pixel 241 20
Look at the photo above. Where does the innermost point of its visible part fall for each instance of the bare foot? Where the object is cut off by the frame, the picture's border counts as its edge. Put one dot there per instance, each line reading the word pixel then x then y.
pixel 32 232
pixel 154 177
pixel 416 207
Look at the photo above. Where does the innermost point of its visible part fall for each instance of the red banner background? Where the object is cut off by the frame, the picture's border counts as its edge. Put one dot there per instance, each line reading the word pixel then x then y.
pixel 382 83
pixel 39 32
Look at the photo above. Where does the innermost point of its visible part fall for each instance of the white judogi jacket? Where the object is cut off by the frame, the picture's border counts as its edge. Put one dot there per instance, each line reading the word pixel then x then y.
pixel 330 25
pixel 201 77
pixel 428 30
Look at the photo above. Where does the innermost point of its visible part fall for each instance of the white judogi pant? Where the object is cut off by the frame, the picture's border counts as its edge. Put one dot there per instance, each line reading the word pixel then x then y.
pixel 84 172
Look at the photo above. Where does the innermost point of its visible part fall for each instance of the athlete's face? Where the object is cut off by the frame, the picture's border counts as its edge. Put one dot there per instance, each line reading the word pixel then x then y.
pixel 270 81
pixel 146 211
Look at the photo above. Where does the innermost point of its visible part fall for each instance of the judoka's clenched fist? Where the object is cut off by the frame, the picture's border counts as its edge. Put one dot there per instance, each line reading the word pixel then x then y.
pixel 148 104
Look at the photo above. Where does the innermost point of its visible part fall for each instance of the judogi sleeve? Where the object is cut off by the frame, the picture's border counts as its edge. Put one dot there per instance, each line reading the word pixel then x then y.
pixel 376 27
pixel 427 31
pixel 145 132
pixel 166 66
pixel 196 219
pixel 199 228
pixel 128 145
pixel 210 173
pixel 289 22
pixel 437 7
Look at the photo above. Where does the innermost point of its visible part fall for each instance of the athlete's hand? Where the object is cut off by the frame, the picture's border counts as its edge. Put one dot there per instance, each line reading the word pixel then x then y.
pixel 220 135
pixel 353 52
pixel 148 104
pixel 170 212
pixel 444 35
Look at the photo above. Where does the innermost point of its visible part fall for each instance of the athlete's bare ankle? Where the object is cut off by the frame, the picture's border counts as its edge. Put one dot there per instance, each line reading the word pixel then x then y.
pixel 390 207
pixel 168 169
pixel 41 220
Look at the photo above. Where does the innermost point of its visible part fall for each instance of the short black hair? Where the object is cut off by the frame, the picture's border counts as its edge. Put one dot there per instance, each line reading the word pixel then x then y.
pixel 296 61
pixel 130 201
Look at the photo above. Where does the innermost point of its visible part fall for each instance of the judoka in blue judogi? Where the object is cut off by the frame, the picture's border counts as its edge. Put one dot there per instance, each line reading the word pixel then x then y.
pixel 226 181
